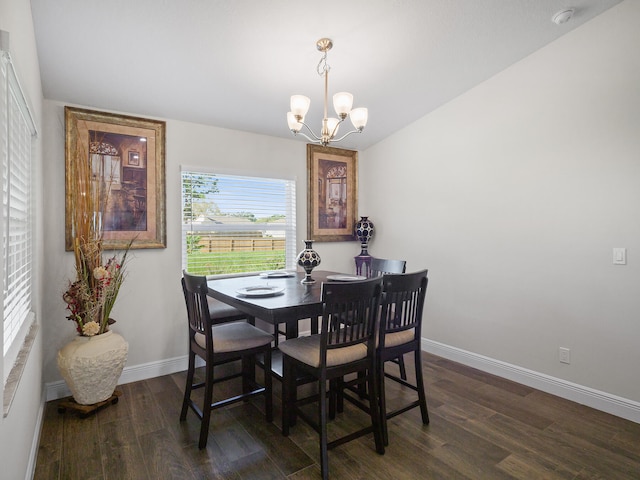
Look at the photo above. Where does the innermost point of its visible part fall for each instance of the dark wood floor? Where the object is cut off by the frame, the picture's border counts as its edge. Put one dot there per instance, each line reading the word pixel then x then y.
pixel 482 427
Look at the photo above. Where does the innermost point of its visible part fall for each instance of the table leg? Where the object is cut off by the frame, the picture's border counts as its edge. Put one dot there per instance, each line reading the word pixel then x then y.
pixel 291 329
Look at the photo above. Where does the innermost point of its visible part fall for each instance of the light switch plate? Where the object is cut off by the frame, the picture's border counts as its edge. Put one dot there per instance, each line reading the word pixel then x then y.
pixel 619 256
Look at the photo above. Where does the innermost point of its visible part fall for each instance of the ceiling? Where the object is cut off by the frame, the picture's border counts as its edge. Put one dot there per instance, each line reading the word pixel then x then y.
pixel 234 64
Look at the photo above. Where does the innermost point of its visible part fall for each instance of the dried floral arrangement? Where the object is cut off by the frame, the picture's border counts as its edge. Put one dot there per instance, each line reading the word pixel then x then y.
pixel 92 295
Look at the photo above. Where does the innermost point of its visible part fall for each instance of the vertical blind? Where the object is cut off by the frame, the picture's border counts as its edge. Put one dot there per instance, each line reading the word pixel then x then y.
pixel 18 131
pixel 237 224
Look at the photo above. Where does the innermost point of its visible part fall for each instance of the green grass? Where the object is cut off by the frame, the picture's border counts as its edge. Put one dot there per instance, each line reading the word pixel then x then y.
pixel 201 263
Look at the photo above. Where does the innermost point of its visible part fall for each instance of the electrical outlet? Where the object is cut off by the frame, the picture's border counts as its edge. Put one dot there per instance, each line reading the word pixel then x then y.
pixel 565 355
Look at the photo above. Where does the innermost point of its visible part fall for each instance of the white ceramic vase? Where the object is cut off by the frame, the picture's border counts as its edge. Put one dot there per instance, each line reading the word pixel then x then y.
pixel 91 366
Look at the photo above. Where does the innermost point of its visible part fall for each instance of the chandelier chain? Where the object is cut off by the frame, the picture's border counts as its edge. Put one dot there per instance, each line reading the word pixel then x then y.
pixel 323 67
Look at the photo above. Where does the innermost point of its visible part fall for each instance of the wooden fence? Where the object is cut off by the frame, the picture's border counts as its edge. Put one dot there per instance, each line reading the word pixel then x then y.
pixel 215 244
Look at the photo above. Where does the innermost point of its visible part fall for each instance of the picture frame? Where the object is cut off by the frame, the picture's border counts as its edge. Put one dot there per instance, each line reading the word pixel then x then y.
pixel 134 158
pixel 130 153
pixel 332 198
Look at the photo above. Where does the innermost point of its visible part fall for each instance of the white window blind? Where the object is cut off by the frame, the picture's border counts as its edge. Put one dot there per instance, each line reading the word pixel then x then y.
pixel 16 139
pixel 237 224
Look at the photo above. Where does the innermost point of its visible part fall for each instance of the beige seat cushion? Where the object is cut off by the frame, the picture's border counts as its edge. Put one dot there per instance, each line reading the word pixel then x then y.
pixel 232 337
pixel 307 350
pixel 398 338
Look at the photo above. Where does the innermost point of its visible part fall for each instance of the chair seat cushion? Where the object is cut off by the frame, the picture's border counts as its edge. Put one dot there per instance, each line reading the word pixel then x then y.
pixel 232 337
pixel 221 311
pixel 307 350
pixel 398 338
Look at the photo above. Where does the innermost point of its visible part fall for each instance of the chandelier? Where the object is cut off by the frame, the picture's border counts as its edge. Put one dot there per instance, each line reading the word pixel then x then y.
pixel 342 103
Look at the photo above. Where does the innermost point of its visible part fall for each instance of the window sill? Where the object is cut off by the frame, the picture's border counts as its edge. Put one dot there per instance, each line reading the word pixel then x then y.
pixel 11 385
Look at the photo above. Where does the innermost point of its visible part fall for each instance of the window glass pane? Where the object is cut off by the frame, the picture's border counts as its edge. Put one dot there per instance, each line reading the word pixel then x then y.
pixel 237 224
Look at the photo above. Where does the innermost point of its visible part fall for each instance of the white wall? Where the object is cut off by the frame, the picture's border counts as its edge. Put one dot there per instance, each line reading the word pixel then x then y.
pixel 150 310
pixel 18 431
pixel 514 194
pixel 519 190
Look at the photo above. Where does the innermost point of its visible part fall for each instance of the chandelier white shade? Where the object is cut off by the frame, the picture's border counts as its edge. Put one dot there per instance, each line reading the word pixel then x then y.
pixel 342 104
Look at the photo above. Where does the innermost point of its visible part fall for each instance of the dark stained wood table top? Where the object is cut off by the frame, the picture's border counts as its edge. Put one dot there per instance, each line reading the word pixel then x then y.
pixel 298 300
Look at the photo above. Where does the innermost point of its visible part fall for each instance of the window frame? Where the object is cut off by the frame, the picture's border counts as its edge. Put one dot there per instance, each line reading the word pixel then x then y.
pixel 14 108
pixel 290 226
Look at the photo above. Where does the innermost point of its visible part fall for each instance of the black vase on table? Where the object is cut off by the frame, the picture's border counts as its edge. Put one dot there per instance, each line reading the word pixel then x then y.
pixel 308 259
pixel 364 232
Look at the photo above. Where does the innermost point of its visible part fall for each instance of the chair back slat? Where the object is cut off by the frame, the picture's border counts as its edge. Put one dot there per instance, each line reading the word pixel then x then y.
pixel 359 301
pixel 380 266
pixel 402 302
pixel 195 293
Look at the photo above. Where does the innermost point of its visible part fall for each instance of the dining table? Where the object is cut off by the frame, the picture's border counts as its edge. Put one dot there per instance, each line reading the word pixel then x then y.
pixel 277 298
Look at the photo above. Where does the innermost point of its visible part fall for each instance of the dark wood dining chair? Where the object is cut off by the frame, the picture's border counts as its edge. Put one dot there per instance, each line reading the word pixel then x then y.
pixel 221 312
pixel 399 333
pixel 336 351
pixel 380 266
pixel 218 344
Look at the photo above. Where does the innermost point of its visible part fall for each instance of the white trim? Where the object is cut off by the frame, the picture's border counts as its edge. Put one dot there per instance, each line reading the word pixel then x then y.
pixel 19 323
pixel 135 373
pixel 255 173
pixel 258 194
pixel 35 442
pixel 18 361
pixel 21 98
pixel 606 402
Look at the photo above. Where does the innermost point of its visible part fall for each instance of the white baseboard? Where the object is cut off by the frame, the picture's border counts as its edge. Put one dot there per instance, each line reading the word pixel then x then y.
pixel 134 373
pixel 606 402
pixel 590 397
pixel 35 442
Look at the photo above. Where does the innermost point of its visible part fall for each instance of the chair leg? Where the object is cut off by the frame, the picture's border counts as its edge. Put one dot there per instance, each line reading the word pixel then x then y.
pixel 322 413
pixel 268 390
pixel 340 395
pixel 206 407
pixel 188 386
pixel 248 374
pixel 374 405
pixel 403 370
pixel 362 385
pixel 333 398
pixel 288 387
pixel 382 397
pixel 420 384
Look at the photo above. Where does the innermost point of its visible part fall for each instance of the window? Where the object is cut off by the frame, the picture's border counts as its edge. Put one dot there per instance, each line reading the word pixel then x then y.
pixel 16 138
pixel 237 224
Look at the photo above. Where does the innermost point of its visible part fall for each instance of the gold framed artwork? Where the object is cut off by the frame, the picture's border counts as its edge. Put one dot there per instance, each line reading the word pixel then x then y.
pixel 332 200
pixel 128 153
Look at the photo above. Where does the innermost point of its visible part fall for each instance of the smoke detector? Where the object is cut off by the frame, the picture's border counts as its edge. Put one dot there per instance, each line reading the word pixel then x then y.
pixel 563 16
